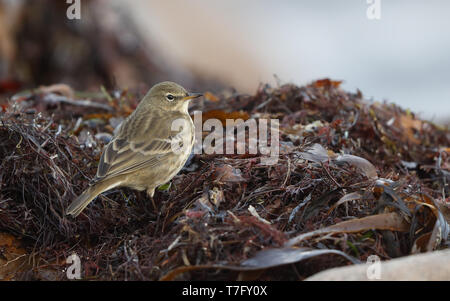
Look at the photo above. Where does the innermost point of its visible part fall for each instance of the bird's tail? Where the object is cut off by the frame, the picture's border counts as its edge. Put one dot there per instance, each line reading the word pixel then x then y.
pixel 81 202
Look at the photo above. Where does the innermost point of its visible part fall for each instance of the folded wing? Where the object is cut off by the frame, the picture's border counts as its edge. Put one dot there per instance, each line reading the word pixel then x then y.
pixel 144 143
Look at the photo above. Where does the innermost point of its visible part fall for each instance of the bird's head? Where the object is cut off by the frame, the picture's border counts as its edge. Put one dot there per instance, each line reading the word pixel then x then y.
pixel 169 96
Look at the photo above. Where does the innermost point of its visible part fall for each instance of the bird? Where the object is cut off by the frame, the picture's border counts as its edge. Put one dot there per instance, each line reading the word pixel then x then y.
pixel 150 147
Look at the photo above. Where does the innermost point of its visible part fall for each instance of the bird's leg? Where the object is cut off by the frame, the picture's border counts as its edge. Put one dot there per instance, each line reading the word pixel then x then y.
pixel 151 193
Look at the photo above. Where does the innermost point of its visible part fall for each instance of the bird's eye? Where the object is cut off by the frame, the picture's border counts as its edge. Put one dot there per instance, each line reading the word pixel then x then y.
pixel 170 97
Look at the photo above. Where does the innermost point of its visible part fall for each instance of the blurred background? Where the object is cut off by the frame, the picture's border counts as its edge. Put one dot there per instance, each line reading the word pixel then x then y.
pixel 402 57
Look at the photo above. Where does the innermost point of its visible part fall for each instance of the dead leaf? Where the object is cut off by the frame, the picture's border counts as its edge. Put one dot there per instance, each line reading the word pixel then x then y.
pixel 7 86
pixel 270 258
pixel 354 196
pixel 210 96
pixel 362 164
pixel 410 126
pixel 104 116
pixel 327 83
pixel 386 221
pixel 316 153
pixel 61 89
pixel 12 257
pixel 227 173
pixel 441 231
pixel 216 196
pixel 262 260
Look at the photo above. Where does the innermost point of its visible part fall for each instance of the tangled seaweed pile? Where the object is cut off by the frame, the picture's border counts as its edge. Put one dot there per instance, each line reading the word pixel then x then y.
pixel 354 178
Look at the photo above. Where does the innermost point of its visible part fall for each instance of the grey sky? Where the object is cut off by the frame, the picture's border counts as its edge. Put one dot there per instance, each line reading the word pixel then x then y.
pixel 404 57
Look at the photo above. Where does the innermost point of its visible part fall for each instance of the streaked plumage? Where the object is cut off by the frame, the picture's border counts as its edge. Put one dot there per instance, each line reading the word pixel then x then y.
pixel 141 154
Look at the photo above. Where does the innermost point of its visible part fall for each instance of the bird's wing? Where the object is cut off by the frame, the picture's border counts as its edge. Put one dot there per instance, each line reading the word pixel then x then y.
pixel 142 141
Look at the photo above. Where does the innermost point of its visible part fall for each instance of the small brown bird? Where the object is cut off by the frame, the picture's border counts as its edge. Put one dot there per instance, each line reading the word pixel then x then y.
pixel 150 147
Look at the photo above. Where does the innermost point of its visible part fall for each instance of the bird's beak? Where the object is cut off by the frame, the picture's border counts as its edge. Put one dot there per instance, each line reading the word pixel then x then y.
pixel 192 96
